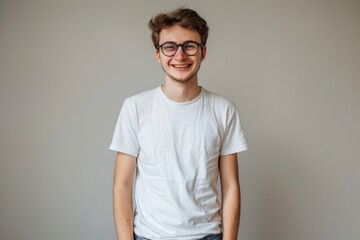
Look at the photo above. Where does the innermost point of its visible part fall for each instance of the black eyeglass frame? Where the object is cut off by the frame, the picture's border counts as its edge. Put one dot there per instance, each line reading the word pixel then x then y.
pixel 200 45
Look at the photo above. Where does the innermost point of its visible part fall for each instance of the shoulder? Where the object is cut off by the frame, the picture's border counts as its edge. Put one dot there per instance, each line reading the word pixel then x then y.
pixel 141 103
pixel 141 98
pixel 219 102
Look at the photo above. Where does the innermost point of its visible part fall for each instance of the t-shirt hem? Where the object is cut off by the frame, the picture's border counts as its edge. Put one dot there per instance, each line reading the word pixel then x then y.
pixel 234 150
pixel 125 150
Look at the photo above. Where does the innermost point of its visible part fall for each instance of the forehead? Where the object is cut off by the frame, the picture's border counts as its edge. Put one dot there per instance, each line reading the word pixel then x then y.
pixel 178 34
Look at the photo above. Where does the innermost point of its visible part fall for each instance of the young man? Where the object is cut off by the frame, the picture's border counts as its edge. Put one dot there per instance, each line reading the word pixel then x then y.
pixel 178 137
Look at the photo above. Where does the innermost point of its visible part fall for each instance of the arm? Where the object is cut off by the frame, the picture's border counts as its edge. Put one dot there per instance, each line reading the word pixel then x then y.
pixel 122 195
pixel 230 190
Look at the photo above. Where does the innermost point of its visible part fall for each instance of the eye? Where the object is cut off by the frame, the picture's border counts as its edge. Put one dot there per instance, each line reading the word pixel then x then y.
pixel 169 47
pixel 190 46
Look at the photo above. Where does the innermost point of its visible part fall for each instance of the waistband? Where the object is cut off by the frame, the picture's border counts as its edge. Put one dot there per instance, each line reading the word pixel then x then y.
pixel 207 237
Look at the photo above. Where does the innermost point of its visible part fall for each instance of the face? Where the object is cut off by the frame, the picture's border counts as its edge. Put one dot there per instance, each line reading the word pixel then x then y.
pixel 180 67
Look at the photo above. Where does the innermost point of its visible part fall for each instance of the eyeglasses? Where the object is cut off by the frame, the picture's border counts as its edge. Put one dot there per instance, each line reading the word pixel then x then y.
pixel 190 48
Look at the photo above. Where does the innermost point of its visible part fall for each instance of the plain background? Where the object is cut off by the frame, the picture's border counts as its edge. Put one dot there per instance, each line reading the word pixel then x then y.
pixel 291 67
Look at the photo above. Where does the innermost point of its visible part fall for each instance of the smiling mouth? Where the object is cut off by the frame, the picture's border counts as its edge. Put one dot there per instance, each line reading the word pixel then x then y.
pixel 181 66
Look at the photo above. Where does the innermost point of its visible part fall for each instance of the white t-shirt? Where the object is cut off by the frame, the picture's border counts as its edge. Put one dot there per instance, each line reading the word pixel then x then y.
pixel 177 146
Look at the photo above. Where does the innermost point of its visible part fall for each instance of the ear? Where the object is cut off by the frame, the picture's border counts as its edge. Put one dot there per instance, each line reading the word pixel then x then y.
pixel 203 53
pixel 157 54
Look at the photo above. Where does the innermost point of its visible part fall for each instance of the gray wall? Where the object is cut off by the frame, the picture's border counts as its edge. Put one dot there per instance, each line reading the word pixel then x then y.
pixel 291 67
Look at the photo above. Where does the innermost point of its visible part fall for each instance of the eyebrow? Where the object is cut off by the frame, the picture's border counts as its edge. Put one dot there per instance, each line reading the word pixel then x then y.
pixel 179 43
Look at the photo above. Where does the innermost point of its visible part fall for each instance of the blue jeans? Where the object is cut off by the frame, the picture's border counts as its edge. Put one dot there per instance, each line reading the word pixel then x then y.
pixel 207 237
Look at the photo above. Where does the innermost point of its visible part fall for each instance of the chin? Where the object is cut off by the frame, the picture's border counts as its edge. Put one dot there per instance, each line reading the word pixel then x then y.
pixel 183 80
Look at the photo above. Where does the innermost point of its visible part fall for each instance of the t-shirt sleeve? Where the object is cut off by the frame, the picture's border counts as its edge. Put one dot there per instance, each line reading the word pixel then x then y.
pixel 125 135
pixel 234 139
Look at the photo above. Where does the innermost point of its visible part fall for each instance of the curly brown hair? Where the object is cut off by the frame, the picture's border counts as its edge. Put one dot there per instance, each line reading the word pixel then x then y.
pixel 184 17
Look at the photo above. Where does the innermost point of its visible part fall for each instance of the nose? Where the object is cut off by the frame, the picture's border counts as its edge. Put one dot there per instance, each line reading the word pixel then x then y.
pixel 180 54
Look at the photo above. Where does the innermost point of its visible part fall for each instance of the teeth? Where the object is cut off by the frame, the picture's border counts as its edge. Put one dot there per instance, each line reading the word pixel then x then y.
pixel 181 66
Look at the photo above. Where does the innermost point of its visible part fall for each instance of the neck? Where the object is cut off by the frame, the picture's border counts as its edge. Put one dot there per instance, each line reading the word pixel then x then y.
pixel 180 92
